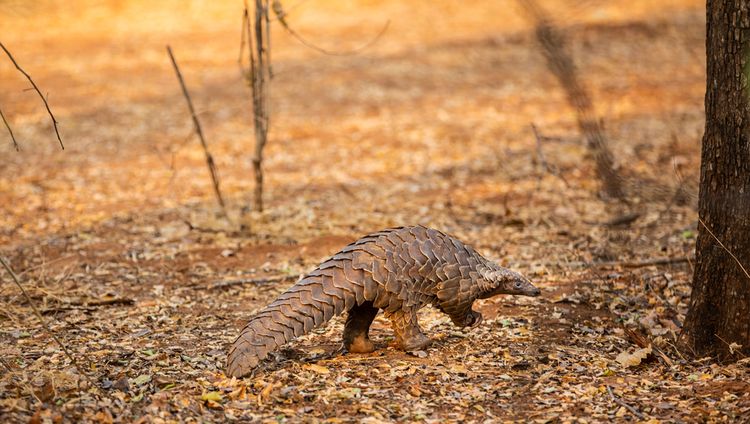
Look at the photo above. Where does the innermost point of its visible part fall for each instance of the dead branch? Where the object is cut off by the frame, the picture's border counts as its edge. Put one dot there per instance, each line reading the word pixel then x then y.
pixel 10 131
pixel 624 405
pixel 242 281
pixel 33 84
pixel 278 10
pixel 209 159
pixel 561 65
pixel 43 322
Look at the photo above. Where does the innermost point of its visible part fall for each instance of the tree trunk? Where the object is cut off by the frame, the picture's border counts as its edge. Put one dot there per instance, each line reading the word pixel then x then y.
pixel 719 316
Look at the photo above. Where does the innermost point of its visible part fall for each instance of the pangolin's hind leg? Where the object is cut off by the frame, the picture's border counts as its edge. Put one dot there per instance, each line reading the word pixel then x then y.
pixel 356 330
pixel 408 334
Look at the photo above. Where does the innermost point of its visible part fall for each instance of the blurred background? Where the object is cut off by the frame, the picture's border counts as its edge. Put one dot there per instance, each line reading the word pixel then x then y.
pixel 437 111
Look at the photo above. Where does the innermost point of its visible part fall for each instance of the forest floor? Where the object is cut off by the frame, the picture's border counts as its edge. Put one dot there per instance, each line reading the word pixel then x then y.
pixel 119 243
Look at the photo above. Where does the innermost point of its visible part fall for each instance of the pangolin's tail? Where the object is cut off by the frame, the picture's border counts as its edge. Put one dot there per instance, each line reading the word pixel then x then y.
pixel 332 288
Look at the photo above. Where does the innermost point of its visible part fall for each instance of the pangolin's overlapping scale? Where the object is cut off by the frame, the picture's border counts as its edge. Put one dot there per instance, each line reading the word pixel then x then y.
pixel 392 268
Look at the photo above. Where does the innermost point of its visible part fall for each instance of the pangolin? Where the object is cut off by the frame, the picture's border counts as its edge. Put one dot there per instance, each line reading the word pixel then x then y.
pixel 398 270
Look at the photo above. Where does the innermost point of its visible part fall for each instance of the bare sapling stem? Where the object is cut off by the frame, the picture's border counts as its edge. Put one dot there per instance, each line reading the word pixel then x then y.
pixel 36 88
pixel 199 131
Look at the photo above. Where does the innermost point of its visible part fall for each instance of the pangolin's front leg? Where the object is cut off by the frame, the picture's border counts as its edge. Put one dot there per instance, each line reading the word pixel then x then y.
pixel 356 330
pixel 406 326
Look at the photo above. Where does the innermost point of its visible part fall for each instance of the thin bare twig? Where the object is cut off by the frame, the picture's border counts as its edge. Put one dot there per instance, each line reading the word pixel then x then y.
pixel 43 322
pixel 10 131
pixel 33 84
pixel 209 159
pixel 724 247
pixel 278 10
pixel 625 405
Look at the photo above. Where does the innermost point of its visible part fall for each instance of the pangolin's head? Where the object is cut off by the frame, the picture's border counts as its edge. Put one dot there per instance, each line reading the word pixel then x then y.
pixel 501 280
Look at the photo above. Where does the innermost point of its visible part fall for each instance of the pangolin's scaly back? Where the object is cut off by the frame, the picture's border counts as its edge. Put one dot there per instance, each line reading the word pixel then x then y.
pixel 398 267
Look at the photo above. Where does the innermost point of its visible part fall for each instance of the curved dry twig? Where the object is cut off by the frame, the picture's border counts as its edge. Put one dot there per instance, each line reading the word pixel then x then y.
pixel 33 84
pixel 281 17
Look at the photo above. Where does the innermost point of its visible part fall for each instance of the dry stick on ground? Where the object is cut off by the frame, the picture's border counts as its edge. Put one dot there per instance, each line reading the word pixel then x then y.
pixel 561 65
pixel 624 405
pixel 199 132
pixel 278 10
pixel 33 84
pixel 43 322
pixel 10 131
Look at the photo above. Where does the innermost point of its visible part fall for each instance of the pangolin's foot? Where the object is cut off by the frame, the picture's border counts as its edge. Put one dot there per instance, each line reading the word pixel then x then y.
pixel 415 342
pixel 359 344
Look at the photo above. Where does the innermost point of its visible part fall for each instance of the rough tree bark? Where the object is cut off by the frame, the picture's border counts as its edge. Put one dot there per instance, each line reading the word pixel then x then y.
pixel 719 316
